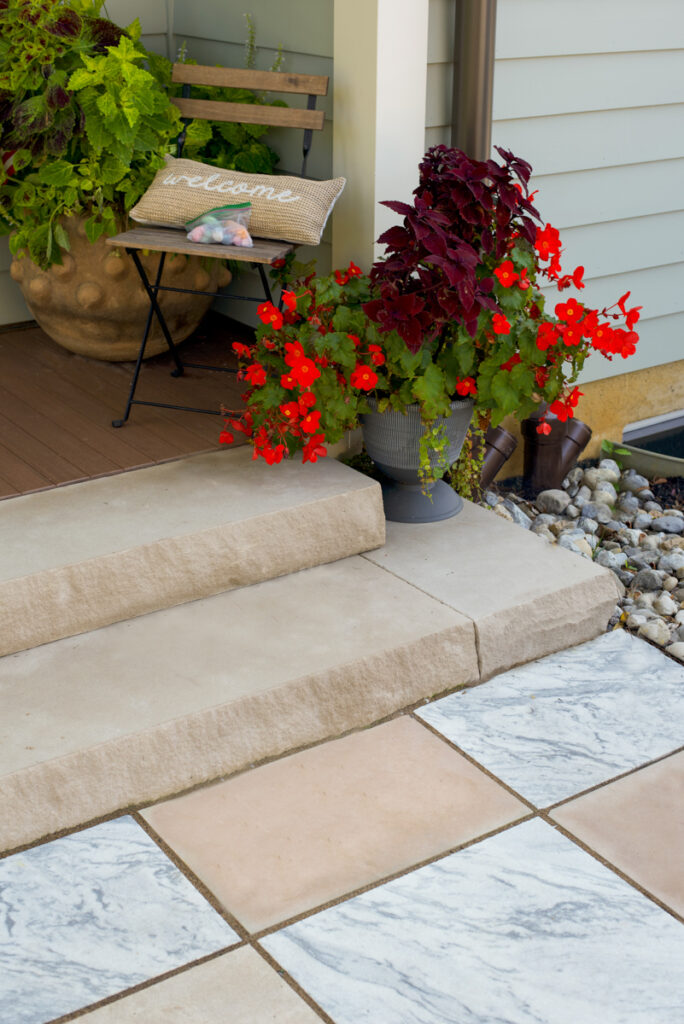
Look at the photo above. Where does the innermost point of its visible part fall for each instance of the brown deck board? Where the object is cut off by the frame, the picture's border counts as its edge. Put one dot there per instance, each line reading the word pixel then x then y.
pixel 56 408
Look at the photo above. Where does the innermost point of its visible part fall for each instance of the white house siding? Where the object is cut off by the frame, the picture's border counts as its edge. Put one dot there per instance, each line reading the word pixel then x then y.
pixel 592 95
pixel 152 16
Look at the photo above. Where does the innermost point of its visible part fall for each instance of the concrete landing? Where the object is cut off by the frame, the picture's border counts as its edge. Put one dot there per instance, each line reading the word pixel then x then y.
pixel 80 557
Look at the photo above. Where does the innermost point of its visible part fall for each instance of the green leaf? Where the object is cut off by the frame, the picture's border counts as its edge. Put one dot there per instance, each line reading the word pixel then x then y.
pixel 504 392
pixel 430 390
pixel 134 30
pixel 94 228
pixel 61 237
pixel 56 172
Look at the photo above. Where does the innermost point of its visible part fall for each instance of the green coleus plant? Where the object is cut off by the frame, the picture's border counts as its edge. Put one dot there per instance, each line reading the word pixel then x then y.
pixel 86 119
pixel 84 125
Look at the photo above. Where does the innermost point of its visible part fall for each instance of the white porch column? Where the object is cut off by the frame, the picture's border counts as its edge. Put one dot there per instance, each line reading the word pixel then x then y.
pixel 379 90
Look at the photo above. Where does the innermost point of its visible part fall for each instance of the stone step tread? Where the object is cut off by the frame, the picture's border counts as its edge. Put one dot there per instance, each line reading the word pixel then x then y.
pixel 138 709
pixel 172 533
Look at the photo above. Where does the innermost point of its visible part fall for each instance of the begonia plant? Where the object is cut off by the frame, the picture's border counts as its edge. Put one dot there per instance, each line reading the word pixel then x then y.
pixel 453 309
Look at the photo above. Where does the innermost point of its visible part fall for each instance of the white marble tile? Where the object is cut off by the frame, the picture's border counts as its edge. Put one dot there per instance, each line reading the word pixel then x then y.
pixel 522 928
pixel 569 721
pixel 91 914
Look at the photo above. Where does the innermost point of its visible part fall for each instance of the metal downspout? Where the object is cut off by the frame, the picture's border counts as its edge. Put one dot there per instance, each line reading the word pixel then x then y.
pixel 474 37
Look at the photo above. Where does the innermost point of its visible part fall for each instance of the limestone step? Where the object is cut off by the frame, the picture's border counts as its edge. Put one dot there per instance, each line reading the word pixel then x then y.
pixel 142 709
pixel 79 557
pixel 139 710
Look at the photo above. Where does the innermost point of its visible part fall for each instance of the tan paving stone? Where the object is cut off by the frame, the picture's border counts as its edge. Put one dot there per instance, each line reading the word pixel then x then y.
pixel 294 834
pixel 238 987
pixel 637 823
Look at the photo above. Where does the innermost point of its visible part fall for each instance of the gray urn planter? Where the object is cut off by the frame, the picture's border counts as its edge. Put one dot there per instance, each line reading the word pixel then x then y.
pixel 392 441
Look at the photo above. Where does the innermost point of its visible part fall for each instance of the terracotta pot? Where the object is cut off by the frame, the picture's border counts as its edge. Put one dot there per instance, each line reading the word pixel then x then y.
pixel 94 302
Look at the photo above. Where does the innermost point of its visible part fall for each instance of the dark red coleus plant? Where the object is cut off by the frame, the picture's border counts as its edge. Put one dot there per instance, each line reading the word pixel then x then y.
pixel 465 214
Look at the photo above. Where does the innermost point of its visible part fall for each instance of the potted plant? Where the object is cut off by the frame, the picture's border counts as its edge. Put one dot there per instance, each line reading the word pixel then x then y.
pixel 85 122
pixel 452 312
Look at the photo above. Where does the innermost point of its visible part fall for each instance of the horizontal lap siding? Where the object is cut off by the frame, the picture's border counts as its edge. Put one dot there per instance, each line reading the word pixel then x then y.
pixel 592 95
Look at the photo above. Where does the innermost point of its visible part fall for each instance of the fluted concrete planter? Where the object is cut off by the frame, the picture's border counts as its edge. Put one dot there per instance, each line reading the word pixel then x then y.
pixel 392 440
pixel 94 302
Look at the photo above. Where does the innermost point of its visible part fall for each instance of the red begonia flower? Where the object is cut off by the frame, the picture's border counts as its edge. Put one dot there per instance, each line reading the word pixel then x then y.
pixel 570 311
pixel 290 411
pixel 506 274
pixel 305 372
pixel 268 314
pixel 571 335
pixel 547 335
pixel 500 324
pixel 341 277
pixel 577 275
pixel 544 427
pixel 363 377
pixel 466 387
pixel 510 363
pixel 307 400
pixel 225 437
pixel 547 242
pixel 255 374
pixel 311 422
pixel 314 449
pixel 289 300
pixel 293 352
pixel 242 350
pixel 353 270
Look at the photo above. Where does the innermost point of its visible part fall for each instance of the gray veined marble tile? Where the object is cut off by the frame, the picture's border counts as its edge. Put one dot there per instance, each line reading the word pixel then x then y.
pixel 522 928
pixel 92 914
pixel 569 721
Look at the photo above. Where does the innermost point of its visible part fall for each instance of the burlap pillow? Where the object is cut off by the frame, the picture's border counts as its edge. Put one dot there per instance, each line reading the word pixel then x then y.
pixel 283 207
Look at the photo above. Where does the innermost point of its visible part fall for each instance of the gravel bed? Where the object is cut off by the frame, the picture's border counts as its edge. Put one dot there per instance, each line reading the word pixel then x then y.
pixel 624 522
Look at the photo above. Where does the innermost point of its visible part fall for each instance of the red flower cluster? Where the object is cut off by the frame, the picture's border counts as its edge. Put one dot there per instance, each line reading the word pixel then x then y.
pixel 577 326
pixel 305 378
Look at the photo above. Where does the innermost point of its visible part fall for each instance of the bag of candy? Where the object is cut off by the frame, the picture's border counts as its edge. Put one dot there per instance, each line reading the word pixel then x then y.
pixel 225 225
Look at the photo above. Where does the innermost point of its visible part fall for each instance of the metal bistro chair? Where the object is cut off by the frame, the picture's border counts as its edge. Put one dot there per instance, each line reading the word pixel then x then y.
pixel 170 240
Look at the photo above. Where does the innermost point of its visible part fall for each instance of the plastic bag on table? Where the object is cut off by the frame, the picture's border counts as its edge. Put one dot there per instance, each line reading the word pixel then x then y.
pixel 225 225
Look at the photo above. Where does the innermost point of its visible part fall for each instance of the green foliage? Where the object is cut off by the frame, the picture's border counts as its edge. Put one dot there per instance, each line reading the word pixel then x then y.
pixel 87 111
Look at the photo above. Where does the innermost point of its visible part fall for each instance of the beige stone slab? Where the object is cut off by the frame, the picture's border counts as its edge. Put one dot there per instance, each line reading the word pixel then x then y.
pixel 309 828
pixel 77 558
pixel 527 598
pixel 145 708
pixel 236 988
pixel 637 823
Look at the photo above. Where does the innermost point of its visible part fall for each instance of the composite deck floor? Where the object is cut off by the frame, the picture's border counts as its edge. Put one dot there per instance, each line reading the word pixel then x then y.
pixel 56 408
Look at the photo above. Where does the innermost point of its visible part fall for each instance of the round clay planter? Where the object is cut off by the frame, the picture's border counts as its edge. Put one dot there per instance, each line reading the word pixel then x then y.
pixel 392 441
pixel 94 302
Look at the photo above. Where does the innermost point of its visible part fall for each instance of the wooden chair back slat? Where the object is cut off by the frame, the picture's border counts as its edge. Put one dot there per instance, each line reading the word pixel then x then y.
pixel 246 78
pixel 250 113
